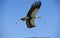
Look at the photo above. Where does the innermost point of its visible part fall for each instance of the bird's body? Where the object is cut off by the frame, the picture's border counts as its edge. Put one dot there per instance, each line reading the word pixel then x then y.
pixel 31 14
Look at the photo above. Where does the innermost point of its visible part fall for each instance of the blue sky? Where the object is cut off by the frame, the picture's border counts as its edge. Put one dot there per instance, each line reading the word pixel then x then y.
pixel 46 26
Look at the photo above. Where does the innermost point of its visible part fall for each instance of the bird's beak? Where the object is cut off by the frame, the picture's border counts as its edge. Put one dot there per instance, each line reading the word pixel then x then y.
pixel 20 19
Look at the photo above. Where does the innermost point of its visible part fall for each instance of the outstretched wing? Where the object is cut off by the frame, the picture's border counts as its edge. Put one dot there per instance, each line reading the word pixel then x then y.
pixel 34 8
pixel 30 23
pixel 31 13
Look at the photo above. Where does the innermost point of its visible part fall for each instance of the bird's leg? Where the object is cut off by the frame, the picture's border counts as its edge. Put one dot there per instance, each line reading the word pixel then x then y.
pixel 38 17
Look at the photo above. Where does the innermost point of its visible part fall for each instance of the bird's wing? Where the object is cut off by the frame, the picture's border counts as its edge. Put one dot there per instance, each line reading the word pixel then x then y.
pixel 34 12
pixel 30 23
pixel 34 8
pixel 31 13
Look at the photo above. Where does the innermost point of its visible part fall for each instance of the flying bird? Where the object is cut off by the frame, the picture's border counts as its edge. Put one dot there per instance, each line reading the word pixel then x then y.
pixel 31 14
